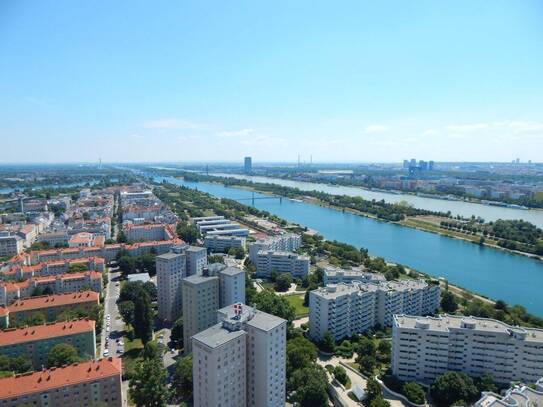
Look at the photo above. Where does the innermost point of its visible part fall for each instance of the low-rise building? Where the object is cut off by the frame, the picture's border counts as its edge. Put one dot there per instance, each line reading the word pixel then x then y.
pixel 81 384
pixel 346 309
pixel 281 262
pixel 222 244
pixel 519 395
pixel 334 275
pixel 54 238
pixel 241 360
pixel 50 306
pixel 149 232
pixel 425 347
pixel 35 342
pixel 10 244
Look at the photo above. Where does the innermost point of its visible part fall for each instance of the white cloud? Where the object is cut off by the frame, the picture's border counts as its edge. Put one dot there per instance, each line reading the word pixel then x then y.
pixel 235 133
pixel 375 128
pixel 171 124
pixel 466 128
pixel 430 132
pixel 136 136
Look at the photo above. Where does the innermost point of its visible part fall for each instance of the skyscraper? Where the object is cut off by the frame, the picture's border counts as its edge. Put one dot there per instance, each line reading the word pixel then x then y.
pixel 170 270
pixel 248 165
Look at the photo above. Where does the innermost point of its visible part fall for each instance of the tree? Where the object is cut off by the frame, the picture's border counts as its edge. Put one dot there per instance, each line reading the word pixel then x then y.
pixel 188 233
pixel 373 390
pixel 448 302
pixel 143 317
pixel 146 263
pixel 327 344
pixel 365 347
pixel 414 393
pixel 127 264
pixel 452 387
pixel 121 237
pixel 62 354
pixel 182 379
pixel 151 289
pixel 18 364
pixel 300 353
pixel 273 304
pixel 148 385
pixel 367 365
pixel 486 383
pixel 151 351
pixel 126 309
pixel 283 282
pixel 310 386
pixel 379 402
pixel 177 333
pixel 341 375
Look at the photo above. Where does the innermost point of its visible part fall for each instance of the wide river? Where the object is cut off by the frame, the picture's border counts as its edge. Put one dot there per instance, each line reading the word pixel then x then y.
pixel 491 272
pixel 466 209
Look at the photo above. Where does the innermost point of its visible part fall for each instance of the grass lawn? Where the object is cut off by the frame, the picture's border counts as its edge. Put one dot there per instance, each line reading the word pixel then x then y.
pixel 131 356
pixel 297 301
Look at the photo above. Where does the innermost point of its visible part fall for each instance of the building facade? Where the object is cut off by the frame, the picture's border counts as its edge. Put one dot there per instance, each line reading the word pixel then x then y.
pixel 241 360
pixel 346 309
pixel 423 348
pixel 333 275
pixel 170 271
pixel 222 244
pixel 36 342
pixel 82 384
pixel 283 243
pixel 281 262
pixel 200 305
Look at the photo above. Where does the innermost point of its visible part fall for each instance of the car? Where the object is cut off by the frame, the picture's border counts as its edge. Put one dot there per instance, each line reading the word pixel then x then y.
pixel 120 343
pixel 173 351
pixel 120 350
pixel 107 328
pixel 106 352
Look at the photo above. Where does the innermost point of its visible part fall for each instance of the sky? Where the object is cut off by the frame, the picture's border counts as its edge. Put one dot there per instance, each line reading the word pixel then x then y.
pixel 341 81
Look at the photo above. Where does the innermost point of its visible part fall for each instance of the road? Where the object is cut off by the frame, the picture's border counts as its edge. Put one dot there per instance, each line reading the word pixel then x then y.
pixel 116 325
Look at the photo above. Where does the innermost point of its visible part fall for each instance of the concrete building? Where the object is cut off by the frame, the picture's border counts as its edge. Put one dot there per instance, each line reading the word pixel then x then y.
pixel 423 348
pixel 281 262
pixel 282 243
pixel 333 275
pixel 50 306
pixel 54 238
pixel 10 244
pixel 200 304
pixel 248 165
pixel 82 384
pixel 221 244
pixel 229 232
pixel 241 360
pixel 36 342
pixel 170 271
pixel 196 260
pixel 145 233
pixel 519 395
pixel 346 309
pixel 231 283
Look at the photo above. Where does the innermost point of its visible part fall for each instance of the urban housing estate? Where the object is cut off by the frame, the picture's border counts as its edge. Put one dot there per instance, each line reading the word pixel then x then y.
pixel 346 309
pixel 423 348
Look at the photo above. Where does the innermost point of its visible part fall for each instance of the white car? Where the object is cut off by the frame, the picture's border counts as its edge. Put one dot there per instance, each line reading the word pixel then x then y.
pixel 106 352
pixel 107 328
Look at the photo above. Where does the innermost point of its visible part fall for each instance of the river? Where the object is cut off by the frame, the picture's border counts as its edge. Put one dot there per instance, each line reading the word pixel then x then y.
pixel 466 209
pixel 490 272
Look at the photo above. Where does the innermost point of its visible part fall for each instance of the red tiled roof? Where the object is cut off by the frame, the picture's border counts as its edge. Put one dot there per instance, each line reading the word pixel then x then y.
pixel 46 301
pixel 39 332
pixel 29 383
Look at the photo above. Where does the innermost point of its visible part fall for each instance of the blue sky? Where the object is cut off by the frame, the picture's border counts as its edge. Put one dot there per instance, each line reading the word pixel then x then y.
pixel 218 80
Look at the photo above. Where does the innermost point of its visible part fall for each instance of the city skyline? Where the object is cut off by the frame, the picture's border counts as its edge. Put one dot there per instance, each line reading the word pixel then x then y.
pixel 344 83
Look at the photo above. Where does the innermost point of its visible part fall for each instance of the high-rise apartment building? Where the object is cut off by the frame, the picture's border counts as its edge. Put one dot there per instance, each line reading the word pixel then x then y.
pixel 423 348
pixel 241 360
pixel 170 271
pixel 196 260
pixel 346 309
pixel 281 262
pixel 200 305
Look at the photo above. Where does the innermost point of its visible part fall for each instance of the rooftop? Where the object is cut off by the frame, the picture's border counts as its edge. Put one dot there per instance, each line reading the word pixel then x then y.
pixel 43 380
pixel 196 279
pixel 445 323
pixel 216 336
pixel 57 300
pixel 39 332
pixel 232 271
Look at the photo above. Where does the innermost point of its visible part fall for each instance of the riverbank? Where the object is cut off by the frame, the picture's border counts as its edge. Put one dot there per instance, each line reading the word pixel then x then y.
pixel 413 222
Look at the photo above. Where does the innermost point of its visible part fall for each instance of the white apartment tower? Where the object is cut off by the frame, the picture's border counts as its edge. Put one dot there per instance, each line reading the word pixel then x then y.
pixel 170 270
pixel 231 283
pixel 196 260
pixel 424 347
pixel 241 360
pixel 346 309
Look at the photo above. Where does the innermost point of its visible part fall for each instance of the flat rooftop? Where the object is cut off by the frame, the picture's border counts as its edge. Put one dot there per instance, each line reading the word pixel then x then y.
pixel 216 336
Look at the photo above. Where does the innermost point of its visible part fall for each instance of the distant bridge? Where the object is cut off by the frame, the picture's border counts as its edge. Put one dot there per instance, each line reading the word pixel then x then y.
pixel 253 198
